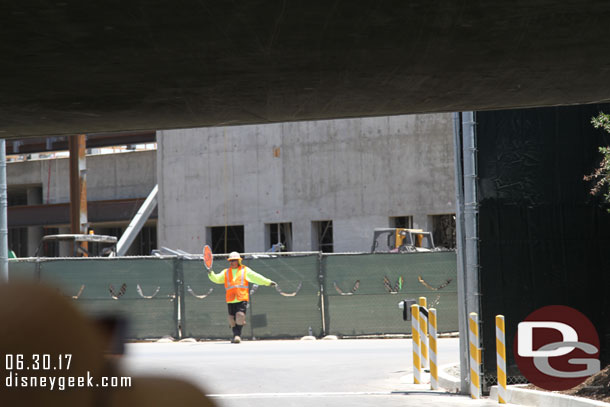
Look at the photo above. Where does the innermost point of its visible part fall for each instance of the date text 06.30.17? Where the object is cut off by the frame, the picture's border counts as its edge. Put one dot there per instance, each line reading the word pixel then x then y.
pixel 36 361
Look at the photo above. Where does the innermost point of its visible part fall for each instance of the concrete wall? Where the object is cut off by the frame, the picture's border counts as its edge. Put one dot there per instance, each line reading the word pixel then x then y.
pixel 355 172
pixel 109 176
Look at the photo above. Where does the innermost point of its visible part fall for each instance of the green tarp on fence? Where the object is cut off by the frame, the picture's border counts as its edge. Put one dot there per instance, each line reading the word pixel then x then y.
pixel 363 291
pixel 350 294
pixel 270 314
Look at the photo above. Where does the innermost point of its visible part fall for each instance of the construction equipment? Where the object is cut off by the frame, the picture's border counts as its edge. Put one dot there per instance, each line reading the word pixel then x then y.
pixel 401 240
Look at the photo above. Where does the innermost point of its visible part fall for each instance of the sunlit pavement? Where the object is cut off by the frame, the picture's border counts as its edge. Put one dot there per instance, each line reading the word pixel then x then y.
pixel 358 372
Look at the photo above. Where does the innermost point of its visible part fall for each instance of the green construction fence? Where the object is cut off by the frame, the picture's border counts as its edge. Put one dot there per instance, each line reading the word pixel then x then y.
pixel 318 294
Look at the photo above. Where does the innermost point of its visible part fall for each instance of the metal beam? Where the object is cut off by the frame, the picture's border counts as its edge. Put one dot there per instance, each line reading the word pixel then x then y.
pixel 59 214
pixel 78 184
pixel 49 144
pixel 137 222
pixel 470 238
pixel 471 211
pixel 460 244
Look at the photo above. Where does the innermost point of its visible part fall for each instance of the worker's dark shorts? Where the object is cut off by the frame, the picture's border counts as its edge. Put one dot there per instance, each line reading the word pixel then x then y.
pixel 236 307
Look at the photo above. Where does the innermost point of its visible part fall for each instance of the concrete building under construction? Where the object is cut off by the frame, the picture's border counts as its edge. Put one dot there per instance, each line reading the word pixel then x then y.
pixel 311 185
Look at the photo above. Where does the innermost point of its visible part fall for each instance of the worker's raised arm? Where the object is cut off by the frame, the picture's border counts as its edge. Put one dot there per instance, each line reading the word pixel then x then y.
pixel 216 278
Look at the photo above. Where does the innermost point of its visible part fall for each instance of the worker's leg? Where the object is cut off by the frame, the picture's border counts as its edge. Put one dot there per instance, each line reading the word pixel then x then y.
pixel 240 317
pixel 232 310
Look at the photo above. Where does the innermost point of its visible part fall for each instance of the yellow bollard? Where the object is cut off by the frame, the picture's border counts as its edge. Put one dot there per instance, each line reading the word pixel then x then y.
pixel 415 335
pixel 433 353
pixel 475 356
pixel 423 328
pixel 501 358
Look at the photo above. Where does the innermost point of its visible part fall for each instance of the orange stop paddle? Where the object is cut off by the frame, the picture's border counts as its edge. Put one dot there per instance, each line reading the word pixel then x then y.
pixel 208 258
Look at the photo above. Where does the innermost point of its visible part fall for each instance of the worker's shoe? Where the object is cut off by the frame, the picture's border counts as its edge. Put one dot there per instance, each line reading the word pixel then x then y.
pixel 236 339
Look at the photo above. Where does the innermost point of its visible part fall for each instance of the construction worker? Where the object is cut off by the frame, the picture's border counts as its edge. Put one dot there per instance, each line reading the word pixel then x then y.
pixel 236 278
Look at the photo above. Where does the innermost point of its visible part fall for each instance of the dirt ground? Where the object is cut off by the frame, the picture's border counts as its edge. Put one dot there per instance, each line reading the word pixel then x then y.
pixel 596 387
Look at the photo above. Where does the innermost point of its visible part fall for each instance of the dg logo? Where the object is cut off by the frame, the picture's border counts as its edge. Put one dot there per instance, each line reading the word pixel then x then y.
pixel 556 348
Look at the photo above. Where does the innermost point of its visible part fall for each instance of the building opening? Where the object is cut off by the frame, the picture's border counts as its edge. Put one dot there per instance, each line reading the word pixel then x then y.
pixel 226 239
pixel 278 237
pixel 443 231
pixel 401 222
pixel 323 236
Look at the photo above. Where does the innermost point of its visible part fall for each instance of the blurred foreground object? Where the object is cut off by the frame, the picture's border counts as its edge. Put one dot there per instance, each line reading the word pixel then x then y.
pixel 37 321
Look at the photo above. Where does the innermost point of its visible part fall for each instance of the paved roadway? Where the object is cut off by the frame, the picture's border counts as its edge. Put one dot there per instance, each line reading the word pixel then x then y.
pixel 362 372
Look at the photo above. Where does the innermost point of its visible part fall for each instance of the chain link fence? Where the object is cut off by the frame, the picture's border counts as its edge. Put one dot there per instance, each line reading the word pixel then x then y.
pixel 318 294
pixel 363 291
pixel 288 312
pixel 143 290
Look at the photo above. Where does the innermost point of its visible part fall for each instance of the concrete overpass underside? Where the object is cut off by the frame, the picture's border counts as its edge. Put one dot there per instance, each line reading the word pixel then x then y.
pixel 124 65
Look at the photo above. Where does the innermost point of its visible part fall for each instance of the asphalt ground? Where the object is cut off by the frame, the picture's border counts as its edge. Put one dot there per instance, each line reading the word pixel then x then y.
pixel 354 372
